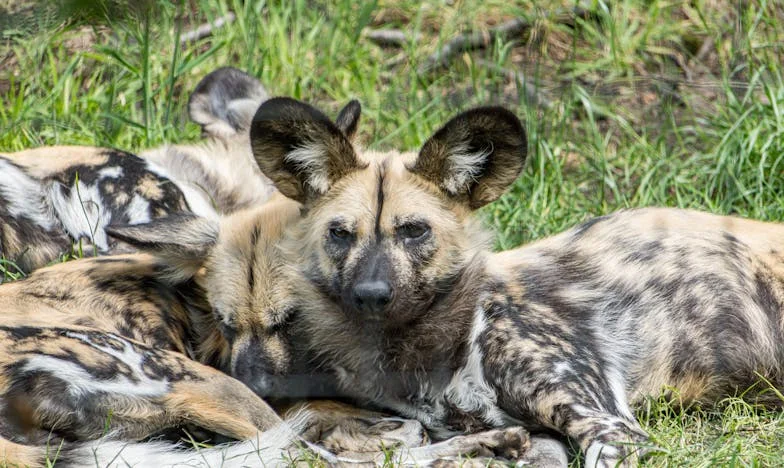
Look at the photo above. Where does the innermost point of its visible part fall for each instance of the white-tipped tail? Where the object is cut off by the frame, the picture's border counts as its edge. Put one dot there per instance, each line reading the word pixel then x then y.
pixel 276 447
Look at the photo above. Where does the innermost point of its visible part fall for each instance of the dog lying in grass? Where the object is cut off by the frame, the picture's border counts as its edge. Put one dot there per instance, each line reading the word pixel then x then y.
pixel 99 354
pixel 401 301
pixel 52 198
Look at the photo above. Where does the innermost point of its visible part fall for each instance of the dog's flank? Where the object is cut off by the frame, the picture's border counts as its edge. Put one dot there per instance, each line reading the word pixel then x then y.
pixel 55 197
pixel 400 297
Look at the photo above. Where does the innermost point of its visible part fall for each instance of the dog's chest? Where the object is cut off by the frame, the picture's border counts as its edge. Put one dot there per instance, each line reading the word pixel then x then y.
pixel 448 401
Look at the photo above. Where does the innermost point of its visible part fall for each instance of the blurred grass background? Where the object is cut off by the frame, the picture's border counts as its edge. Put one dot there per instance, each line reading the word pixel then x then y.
pixel 627 103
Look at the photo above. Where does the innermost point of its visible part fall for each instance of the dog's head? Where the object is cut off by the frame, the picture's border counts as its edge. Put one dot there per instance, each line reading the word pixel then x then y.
pixel 385 233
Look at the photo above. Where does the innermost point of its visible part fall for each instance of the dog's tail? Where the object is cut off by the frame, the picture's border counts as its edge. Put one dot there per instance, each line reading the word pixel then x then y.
pixel 275 447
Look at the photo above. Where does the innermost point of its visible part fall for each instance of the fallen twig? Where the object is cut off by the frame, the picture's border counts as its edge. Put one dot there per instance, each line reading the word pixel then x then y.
pixel 391 37
pixel 396 60
pixel 533 94
pixel 707 46
pixel 479 40
pixel 205 30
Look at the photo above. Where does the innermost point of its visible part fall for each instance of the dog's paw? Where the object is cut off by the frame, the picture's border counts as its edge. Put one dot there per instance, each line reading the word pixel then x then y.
pixel 509 443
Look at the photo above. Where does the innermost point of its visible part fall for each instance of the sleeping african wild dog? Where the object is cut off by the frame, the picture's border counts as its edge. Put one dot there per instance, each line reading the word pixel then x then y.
pixel 129 346
pixel 401 300
pixel 53 197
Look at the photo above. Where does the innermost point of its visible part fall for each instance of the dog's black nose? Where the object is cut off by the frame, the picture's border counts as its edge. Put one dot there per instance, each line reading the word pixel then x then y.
pixel 372 296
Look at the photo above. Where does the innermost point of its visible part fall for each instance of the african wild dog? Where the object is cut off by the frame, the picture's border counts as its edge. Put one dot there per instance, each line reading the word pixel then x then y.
pixel 128 345
pixel 53 197
pixel 401 299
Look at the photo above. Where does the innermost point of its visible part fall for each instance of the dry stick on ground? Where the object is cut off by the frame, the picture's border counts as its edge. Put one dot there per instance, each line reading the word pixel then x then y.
pixel 398 38
pixel 206 29
pixel 391 37
pixel 479 40
pixel 708 45
pixel 532 94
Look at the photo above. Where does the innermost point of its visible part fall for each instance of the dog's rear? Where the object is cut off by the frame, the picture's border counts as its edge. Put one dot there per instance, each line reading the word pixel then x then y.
pixel 55 197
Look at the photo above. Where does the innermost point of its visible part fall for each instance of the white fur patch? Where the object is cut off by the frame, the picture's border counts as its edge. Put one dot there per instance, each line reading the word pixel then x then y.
pixel 601 455
pixel 113 172
pixel 618 388
pixel 468 389
pixel 464 168
pixel 272 448
pixel 615 347
pixel 138 211
pixel 25 196
pixel 82 212
pixel 312 159
pixel 563 368
pixel 81 383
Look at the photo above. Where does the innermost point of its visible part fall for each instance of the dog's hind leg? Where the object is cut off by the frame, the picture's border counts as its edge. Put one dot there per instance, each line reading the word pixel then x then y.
pixel 84 384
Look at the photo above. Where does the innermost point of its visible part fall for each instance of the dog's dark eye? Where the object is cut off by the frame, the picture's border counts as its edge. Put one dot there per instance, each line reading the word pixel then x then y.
pixel 227 330
pixel 340 233
pixel 413 231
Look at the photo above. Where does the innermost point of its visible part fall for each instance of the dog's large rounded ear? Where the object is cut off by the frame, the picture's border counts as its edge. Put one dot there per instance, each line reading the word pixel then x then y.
pixel 348 118
pixel 300 149
pixel 224 102
pixel 181 241
pixel 476 156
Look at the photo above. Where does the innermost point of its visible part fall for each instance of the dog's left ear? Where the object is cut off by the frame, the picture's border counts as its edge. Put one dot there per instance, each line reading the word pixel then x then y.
pixel 476 156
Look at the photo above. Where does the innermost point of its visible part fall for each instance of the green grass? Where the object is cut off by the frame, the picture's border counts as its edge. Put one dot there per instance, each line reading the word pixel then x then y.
pixel 651 102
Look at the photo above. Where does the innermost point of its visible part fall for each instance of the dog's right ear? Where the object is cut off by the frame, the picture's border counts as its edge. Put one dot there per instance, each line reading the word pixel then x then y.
pixel 475 156
pixel 300 149
pixel 224 102
pixel 182 241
